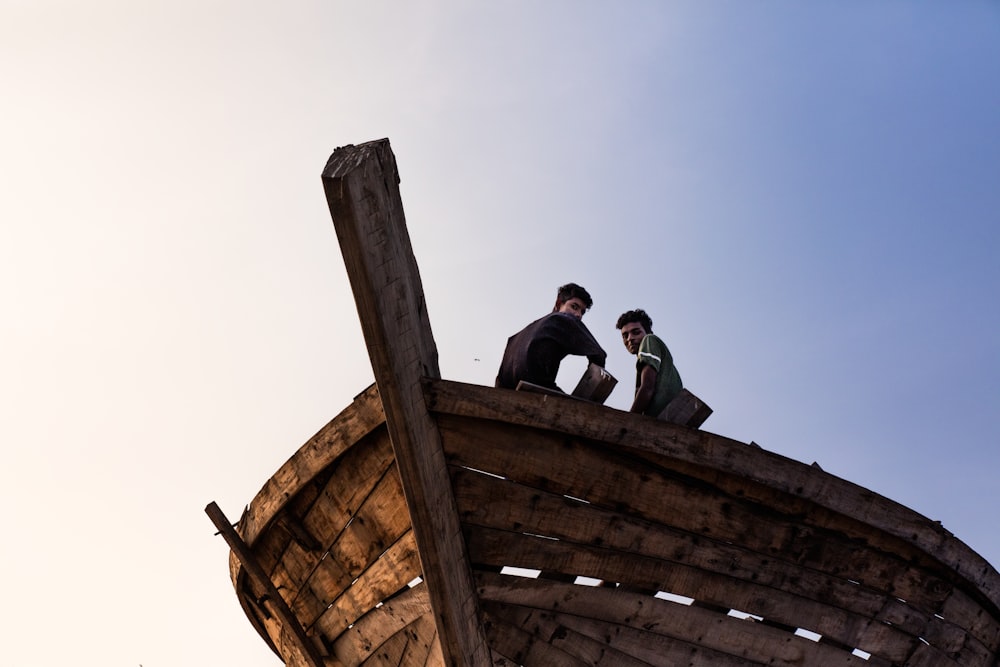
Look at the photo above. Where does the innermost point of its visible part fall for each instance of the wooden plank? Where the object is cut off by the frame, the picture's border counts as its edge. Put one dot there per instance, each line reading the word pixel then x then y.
pixel 888 565
pixel 357 514
pixel 724 455
pixel 737 638
pixel 436 658
pixel 376 627
pixel 375 528
pixel 358 547
pixel 599 644
pixel 279 534
pixel 328 580
pixel 357 473
pixel 686 409
pixel 556 630
pixel 670 508
pixel 595 385
pixel 291 576
pixel 523 648
pixel 301 648
pixel 660 626
pixel 390 653
pixel 310 580
pixel 400 563
pixel 378 524
pixel 608 479
pixel 965 612
pixel 487 501
pixel 356 506
pixel 268 549
pixel 353 423
pixel 423 640
pixel 293 489
pixel 496 548
pixel 361 184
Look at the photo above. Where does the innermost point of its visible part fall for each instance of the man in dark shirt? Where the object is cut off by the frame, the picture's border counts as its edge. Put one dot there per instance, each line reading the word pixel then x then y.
pixel 533 354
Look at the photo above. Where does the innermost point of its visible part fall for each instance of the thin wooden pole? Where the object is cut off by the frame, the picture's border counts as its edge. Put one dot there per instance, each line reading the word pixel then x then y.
pixel 303 645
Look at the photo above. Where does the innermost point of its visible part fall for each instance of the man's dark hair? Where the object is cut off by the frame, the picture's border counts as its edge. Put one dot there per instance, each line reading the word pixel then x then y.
pixel 638 315
pixel 574 291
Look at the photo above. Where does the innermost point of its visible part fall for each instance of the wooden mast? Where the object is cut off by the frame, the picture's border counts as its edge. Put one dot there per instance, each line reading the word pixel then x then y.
pixel 362 190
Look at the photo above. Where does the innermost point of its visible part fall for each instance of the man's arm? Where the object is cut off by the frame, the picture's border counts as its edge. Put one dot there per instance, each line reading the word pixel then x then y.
pixel 600 358
pixel 575 338
pixel 644 392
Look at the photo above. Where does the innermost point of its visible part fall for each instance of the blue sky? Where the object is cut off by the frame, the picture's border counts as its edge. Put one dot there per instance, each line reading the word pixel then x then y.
pixel 804 196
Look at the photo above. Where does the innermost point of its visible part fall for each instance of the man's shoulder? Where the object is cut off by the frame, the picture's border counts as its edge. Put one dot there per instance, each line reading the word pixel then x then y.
pixel 547 324
pixel 652 341
pixel 534 324
pixel 559 320
pixel 651 351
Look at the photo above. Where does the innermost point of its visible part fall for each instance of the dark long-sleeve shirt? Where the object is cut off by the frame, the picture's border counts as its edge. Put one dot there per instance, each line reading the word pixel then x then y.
pixel 533 354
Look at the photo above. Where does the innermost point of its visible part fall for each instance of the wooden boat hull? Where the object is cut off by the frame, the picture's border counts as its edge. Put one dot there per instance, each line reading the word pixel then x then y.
pixel 402 533
pixel 642 514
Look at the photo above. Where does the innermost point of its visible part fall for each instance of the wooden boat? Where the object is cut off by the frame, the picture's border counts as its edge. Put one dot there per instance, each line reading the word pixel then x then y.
pixel 439 523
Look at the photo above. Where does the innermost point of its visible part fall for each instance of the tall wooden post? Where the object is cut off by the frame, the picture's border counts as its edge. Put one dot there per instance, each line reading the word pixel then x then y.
pixel 362 189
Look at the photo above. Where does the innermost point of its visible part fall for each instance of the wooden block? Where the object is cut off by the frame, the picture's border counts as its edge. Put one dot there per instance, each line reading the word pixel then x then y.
pixel 595 385
pixel 538 389
pixel 686 409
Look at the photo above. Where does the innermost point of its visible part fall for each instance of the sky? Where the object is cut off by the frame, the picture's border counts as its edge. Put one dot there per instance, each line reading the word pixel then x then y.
pixel 804 196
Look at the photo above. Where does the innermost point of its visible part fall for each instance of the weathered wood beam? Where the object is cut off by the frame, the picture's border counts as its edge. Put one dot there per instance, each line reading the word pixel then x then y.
pixel 362 190
pixel 307 652
pixel 696 635
pixel 380 624
pixel 686 409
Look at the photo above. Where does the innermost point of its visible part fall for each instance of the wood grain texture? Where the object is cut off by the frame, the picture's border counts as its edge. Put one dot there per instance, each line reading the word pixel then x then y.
pixel 362 189
pixel 347 522
pixel 720 456
pixel 661 631
pixel 813 572
pixel 355 421
pixel 660 518
pixel 686 409
pixel 380 624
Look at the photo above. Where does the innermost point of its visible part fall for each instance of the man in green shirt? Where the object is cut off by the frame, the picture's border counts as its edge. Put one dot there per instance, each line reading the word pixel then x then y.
pixel 657 381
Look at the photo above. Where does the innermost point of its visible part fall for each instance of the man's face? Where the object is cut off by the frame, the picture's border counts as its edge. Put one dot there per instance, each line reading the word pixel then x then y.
pixel 575 307
pixel 632 335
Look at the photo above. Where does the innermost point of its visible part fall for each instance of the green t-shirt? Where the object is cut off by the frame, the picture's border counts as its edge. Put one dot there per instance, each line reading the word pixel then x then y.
pixel 654 352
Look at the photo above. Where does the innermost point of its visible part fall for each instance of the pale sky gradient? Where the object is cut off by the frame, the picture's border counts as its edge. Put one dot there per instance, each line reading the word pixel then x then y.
pixel 804 195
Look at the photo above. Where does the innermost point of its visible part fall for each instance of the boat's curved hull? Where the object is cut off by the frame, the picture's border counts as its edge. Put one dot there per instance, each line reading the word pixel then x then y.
pixel 644 543
pixel 402 532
